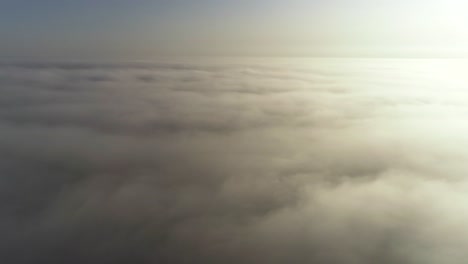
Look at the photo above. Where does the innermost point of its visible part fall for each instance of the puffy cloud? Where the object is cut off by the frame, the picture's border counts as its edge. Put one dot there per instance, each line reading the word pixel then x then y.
pixel 267 161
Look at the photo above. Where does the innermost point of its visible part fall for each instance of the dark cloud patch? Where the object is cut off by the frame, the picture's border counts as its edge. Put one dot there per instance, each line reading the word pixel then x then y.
pixel 327 161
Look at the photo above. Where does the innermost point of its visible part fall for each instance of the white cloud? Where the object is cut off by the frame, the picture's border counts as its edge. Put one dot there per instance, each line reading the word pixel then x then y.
pixel 323 161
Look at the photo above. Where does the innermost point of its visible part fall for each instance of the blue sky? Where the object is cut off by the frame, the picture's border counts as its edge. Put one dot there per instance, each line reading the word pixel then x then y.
pixel 145 29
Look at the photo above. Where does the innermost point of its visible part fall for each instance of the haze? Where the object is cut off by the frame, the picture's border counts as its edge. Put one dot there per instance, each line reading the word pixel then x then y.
pixel 143 29
pixel 233 132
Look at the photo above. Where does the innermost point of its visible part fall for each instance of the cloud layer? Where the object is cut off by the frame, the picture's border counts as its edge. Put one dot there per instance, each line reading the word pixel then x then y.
pixel 265 161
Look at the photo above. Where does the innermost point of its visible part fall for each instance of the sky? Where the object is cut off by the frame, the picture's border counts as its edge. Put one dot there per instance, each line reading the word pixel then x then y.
pixel 113 151
pixel 145 29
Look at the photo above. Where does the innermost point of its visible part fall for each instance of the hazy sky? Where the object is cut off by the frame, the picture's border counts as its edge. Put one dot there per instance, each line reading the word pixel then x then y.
pixel 145 29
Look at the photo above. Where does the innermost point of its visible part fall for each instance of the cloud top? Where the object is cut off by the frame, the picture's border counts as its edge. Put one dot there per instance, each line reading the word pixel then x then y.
pixel 320 161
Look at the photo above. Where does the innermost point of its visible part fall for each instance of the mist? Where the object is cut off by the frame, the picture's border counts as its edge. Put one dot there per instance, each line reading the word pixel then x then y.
pixel 234 161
